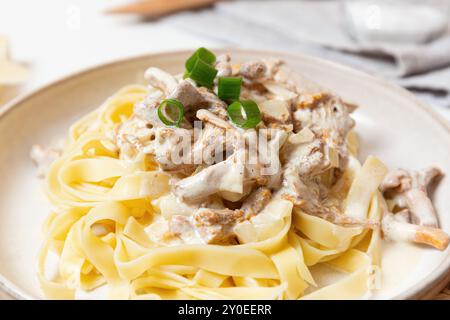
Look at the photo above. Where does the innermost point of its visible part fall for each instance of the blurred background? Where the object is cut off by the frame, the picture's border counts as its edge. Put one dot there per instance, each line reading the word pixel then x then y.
pixel 406 41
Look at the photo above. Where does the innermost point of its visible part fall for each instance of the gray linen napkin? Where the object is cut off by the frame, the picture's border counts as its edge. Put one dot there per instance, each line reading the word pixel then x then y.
pixel 317 28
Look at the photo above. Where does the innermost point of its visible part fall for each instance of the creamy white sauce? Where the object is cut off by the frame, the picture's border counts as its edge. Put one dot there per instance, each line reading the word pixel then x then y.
pixel 399 260
pixel 403 265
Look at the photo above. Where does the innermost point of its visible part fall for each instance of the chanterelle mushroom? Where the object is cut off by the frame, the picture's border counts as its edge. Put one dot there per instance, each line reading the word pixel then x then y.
pixel 417 222
pixel 409 190
pixel 160 79
pixel 223 65
pixel 253 69
pixel 397 227
pixel 216 225
pixel 397 230
pixel 187 94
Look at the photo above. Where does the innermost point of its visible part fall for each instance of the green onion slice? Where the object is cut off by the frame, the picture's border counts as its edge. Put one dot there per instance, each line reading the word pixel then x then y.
pixel 229 88
pixel 170 109
pixel 202 54
pixel 244 114
pixel 202 73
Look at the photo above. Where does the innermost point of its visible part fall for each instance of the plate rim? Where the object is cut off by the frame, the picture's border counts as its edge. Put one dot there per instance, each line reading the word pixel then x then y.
pixel 430 285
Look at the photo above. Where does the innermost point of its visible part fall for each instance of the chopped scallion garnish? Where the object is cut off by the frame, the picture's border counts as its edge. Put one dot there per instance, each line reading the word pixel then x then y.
pixel 229 88
pixel 244 114
pixel 200 67
pixel 202 73
pixel 171 112
pixel 202 54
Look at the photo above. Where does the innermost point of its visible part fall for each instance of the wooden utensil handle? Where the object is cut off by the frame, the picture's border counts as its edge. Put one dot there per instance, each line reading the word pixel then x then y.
pixel 159 8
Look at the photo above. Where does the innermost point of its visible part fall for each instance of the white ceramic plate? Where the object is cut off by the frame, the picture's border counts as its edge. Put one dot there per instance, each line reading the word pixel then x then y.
pixel 391 123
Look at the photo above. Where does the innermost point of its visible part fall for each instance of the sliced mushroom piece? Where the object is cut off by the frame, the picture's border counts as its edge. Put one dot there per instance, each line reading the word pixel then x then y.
pixel 351 107
pixel 168 147
pixel 328 118
pixel 296 190
pixel 253 70
pixel 206 225
pixel 269 164
pixel 216 226
pixel 209 116
pixel 303 136
pixel 311 100
pixel 273 69
pixel 410 189
pixel 308 159
pixel 213 103
pixel 403 216
pixel 210 146
pixel 275 111
pixel 395 229
pixel 147 110
pixel 280 90
pixel 161 79
pixel 256 201
pixel 223 66
pixel 187 94
pixel 308 194
pixel 227 175
pixel 332 122
pixel 181 226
